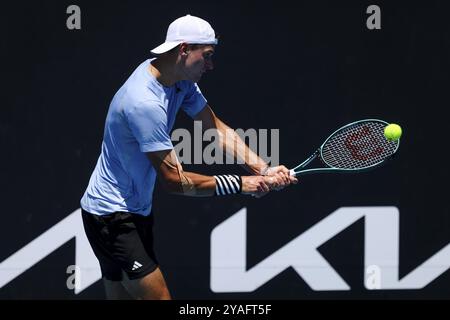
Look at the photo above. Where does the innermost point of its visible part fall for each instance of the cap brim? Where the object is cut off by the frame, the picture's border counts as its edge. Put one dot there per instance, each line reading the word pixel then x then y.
pixel 166 46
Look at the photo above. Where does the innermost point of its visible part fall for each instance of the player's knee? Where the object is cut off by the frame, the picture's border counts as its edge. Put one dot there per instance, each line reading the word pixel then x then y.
pixel 160 293
pixel 150 287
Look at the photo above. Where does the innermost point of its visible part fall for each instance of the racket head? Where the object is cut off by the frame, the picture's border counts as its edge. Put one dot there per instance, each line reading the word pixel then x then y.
pixel 358 146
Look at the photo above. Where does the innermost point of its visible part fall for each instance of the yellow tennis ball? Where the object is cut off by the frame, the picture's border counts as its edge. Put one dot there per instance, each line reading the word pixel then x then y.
pixel 393 132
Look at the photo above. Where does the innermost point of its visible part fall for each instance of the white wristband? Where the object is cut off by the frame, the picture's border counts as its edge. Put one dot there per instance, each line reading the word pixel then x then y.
pixel 228 184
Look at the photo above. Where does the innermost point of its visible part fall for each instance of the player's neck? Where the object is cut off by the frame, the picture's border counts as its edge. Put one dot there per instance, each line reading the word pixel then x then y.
pixel 163 72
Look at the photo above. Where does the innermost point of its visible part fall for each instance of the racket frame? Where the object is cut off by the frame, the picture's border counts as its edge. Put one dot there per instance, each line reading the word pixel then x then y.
pixel 318 153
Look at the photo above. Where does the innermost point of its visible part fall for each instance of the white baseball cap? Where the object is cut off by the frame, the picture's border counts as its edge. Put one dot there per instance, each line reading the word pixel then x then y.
pixel 188 29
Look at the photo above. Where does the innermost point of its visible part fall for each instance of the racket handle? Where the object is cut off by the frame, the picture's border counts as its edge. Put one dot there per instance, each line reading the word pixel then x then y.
pixel 292 172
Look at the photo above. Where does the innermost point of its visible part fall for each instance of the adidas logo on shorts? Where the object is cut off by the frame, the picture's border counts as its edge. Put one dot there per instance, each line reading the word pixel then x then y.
pixel 136 266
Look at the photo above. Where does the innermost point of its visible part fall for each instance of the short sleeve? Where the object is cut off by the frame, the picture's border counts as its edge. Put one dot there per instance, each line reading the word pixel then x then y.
pixel 148 124
pixel 194 101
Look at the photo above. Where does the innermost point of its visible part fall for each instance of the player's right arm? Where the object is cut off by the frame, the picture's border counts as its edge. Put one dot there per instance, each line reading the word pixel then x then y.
pixel 175 180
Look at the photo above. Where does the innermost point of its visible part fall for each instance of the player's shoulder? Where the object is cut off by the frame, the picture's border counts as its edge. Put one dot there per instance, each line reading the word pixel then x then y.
pixel 141 89
pixel 132 102
pixel 144 105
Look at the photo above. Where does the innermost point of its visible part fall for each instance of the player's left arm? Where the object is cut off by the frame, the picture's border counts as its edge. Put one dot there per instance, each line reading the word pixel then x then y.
pixel 235 147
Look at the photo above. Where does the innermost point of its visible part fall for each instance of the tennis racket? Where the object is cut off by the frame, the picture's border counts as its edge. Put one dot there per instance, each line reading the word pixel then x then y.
pixel 356 147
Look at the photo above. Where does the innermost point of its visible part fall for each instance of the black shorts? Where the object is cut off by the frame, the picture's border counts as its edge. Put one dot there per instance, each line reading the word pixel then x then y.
pixel 122 242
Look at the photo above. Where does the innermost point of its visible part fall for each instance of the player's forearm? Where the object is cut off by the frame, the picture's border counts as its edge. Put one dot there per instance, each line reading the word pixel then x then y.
pixel 175 180
pixel 236 148
pixel 197 185
pixel 191 184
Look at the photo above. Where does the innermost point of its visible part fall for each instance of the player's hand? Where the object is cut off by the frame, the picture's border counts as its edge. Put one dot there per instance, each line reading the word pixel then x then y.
pixel 255 185
pixel 282 177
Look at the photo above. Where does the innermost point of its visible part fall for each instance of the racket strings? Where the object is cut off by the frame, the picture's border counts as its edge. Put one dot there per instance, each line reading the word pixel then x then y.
pixel 358 146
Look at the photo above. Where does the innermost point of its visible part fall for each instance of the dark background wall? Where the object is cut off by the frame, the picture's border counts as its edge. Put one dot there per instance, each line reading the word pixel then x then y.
pixel 305 67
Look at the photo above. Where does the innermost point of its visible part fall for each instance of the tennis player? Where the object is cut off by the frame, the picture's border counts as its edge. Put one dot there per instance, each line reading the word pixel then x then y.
pixel 136 149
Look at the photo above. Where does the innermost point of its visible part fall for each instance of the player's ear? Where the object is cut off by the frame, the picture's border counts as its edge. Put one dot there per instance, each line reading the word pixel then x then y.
pixel 184 49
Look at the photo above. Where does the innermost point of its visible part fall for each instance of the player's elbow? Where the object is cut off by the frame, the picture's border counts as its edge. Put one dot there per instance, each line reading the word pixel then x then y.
pixel 179 184
pixel 172 184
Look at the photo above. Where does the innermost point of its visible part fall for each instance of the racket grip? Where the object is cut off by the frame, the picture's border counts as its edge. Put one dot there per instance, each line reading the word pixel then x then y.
pixel 292 172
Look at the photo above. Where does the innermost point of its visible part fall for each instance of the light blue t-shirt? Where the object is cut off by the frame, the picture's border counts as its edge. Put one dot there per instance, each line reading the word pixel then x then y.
pixel 140 119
